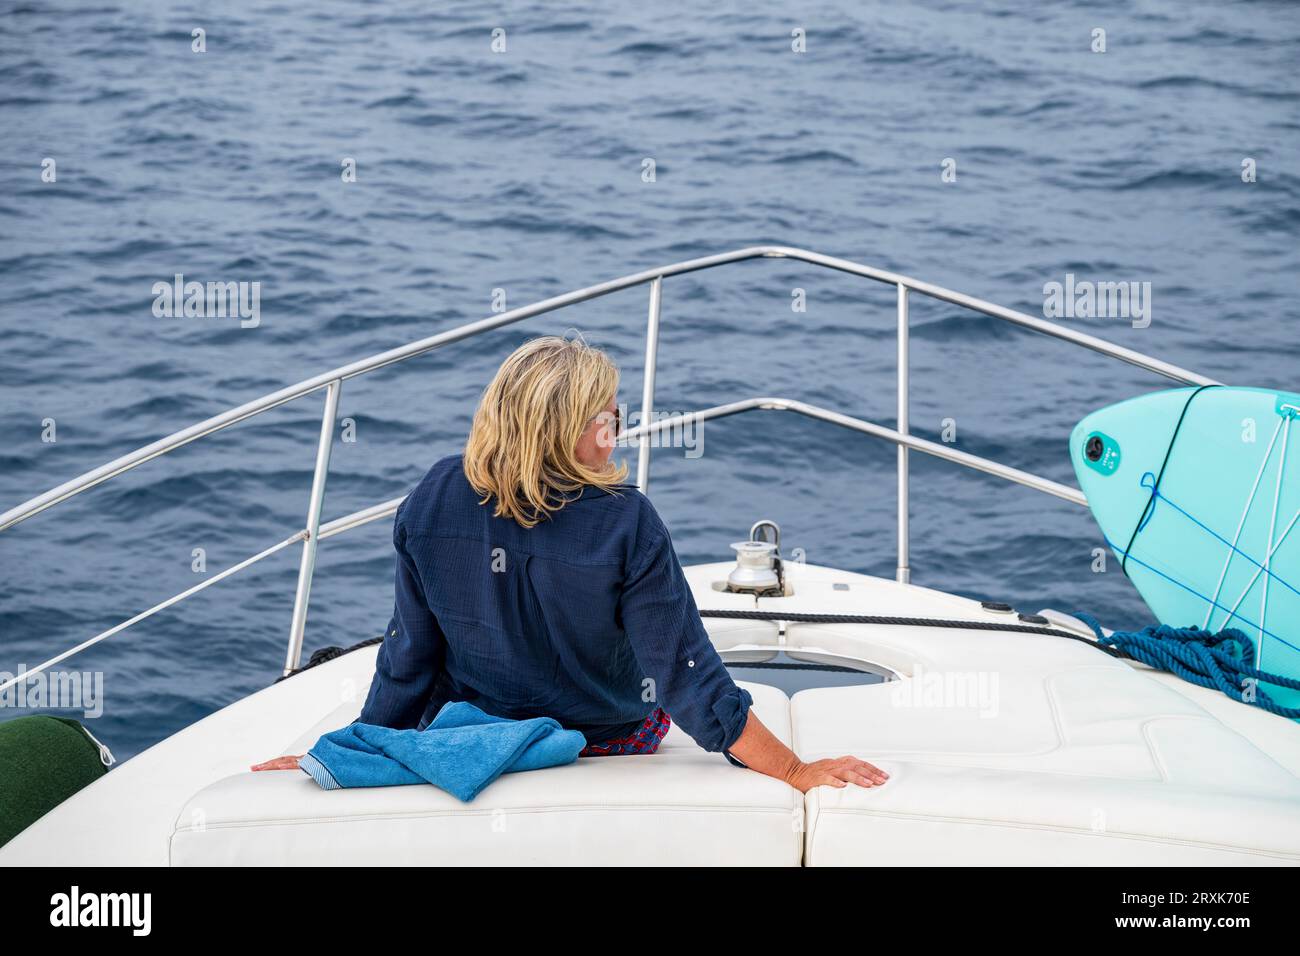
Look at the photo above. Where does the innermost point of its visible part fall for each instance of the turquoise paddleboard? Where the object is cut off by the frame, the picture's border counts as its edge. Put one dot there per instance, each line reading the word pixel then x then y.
pixel 1197 491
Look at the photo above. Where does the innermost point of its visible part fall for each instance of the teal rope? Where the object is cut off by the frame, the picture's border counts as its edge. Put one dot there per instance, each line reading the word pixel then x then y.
pixel 1201 657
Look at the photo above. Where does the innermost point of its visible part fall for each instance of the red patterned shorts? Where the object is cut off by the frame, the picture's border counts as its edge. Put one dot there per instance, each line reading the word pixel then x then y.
pixel 644 741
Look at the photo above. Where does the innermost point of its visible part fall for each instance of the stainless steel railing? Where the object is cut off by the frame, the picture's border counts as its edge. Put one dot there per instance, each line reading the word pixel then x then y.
pixel 332 383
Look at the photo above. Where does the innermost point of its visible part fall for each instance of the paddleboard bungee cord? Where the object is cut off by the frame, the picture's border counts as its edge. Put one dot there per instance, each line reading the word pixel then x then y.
pixel 1149 510
pixel 1233 549
pixel 1232 612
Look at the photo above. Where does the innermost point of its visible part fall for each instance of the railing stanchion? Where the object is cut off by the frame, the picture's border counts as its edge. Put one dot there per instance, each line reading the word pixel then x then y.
pixel 904 571
pixel 648 384
pixel 293 656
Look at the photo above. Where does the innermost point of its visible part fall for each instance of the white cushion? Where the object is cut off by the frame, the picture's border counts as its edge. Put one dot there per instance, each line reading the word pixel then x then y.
pixel 680 806
pixel 1080 760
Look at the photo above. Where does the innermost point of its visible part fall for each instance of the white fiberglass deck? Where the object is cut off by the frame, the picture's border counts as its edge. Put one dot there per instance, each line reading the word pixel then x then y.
pixel 1054 753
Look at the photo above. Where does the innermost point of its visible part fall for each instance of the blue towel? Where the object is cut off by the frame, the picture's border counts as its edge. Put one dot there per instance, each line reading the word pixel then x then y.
pixel 462 750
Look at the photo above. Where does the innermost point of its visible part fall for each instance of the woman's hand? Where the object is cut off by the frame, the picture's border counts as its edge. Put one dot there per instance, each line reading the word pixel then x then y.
pixel 835 772
pixel 758 749
pixel 279 763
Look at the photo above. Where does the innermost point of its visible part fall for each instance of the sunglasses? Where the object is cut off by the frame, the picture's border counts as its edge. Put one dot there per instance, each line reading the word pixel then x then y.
pixel 618 420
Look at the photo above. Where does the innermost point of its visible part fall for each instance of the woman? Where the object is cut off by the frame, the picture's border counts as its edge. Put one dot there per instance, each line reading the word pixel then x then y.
pixel 533 582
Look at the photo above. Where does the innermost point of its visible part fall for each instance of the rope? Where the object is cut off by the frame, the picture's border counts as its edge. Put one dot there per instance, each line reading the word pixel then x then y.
pixel 798 666
pixel 105 755
pixel 1202 657
pixel 796 617
pixel 323 654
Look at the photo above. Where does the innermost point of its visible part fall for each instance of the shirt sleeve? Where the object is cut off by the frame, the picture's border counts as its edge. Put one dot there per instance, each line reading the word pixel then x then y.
pixel 672 648
pixel 412 655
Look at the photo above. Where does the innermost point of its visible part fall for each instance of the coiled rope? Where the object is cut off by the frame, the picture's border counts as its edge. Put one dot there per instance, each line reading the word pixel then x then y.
pixel 1202 657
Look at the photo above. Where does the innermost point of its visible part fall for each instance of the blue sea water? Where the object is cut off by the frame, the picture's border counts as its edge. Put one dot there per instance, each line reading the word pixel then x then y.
pixel 522 171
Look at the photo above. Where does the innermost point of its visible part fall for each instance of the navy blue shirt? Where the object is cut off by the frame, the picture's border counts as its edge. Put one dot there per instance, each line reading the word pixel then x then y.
pixel 585 617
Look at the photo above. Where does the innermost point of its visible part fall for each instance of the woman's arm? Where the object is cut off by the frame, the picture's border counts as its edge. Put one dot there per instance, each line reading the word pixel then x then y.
pixel 412 656
pixel 760 750
pixel 693 685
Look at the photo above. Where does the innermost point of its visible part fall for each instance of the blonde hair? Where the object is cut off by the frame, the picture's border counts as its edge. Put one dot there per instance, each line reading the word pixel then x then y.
pixel 521 448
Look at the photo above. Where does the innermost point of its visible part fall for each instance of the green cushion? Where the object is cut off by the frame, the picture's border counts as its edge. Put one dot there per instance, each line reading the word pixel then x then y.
pixel 43 761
